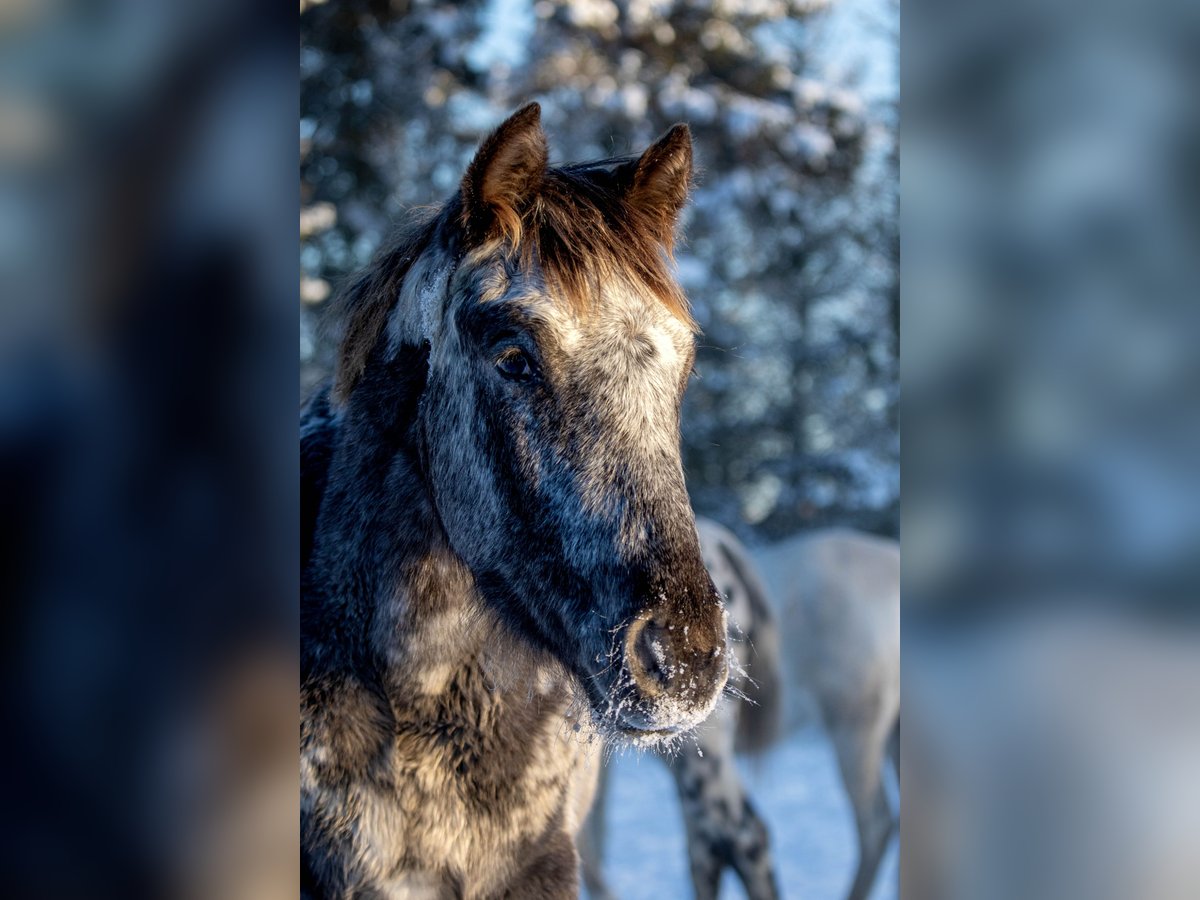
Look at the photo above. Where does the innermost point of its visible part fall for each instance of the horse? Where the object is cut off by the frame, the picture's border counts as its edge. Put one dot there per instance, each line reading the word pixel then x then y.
pixel 501 565
pixel 724 830
pixel 838 596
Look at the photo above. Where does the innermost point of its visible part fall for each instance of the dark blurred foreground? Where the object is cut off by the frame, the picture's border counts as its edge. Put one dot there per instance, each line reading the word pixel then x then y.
pixel 147 450
pixel 147 437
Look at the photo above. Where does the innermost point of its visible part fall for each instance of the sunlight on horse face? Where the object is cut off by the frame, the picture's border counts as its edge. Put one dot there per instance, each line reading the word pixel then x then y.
pixel 558 478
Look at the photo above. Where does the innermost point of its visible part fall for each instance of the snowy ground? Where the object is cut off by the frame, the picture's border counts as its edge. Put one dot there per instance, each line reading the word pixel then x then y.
pixel 796 788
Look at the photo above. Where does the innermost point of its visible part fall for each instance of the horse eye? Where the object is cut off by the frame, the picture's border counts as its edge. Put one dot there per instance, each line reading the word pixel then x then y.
pixel 514 365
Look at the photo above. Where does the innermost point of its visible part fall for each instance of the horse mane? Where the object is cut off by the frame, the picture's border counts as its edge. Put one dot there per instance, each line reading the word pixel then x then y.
pixel 577 226
pixel 759 721
pixel 364 304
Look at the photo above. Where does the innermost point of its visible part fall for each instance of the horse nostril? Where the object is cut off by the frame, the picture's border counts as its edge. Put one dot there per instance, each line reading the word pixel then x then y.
pixel 675 659
pixel 651 651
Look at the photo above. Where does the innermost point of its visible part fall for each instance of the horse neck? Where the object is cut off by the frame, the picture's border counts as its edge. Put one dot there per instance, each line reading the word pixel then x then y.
pixel 388 593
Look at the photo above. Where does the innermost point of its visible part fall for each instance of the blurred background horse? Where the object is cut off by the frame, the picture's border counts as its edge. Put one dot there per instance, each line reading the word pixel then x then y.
pixel 838 594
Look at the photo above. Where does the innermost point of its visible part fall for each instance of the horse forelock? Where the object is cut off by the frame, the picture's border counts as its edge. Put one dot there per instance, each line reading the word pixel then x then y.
pixel 576 231
pixel 581 234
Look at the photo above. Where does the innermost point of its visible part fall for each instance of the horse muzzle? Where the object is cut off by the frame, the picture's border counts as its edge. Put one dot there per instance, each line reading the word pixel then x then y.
pixel 675 669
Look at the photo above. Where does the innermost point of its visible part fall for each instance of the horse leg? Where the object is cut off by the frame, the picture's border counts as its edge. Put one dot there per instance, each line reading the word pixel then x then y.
pixel 591 842
pixel 751 856
pixel 723 828
pixel 706 861
pixel 860 747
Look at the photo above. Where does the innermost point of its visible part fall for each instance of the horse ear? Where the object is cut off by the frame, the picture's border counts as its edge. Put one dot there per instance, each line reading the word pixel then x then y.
pixel 661 181
pixel 506 170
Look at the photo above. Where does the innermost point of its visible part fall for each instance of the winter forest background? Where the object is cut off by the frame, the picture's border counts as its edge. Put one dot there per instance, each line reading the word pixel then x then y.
pixel 790 252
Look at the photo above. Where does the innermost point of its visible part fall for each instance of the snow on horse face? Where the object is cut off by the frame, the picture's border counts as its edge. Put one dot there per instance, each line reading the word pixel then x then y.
pixel 496 535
